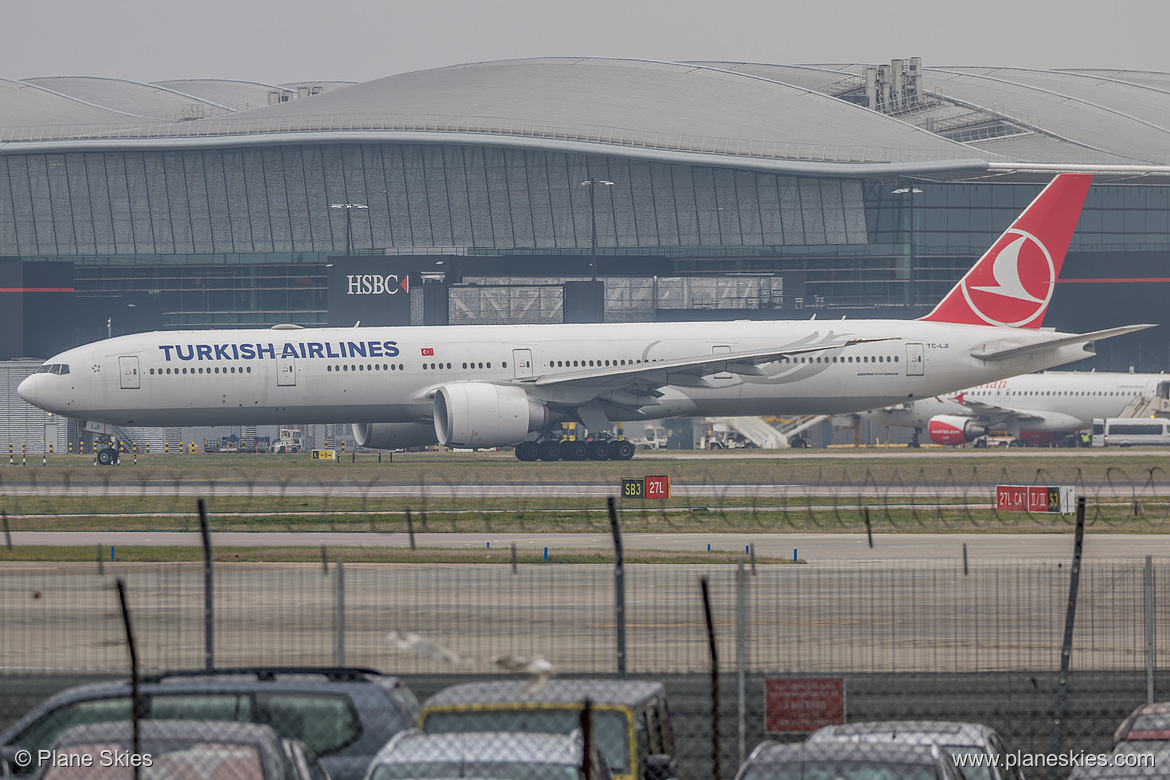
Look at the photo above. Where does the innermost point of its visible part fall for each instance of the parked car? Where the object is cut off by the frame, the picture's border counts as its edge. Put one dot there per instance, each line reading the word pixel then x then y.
pixel 847 760
pixel 304 761
pixel 1147 723
pixel 176 749
pixel 343 715
pixel 631 723
pixel 413 754
pixel 958 738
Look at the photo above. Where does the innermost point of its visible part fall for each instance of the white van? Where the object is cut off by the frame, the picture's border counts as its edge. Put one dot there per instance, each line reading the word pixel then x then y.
pixel 1131 432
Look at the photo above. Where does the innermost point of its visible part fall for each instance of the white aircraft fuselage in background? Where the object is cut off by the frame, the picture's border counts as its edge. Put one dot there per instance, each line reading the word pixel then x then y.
pixel 484 386
pixel 1036 408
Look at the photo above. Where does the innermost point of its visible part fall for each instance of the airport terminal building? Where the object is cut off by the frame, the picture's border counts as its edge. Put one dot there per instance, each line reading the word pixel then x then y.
pixel 497 192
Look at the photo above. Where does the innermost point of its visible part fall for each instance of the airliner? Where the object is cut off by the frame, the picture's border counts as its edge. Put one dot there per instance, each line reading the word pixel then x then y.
pixel 1036 409
pixel 483 386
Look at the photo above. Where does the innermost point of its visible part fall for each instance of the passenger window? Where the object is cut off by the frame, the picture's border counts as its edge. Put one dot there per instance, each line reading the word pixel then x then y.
pixel 40 735
pixel 197 707
pixel 325 723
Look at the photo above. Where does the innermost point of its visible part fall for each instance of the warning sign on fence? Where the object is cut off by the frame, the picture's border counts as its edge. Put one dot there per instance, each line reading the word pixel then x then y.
pixel 803 704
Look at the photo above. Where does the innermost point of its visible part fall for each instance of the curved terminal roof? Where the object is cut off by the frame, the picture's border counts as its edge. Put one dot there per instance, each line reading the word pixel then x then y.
pixel 761 114
pixel 131 97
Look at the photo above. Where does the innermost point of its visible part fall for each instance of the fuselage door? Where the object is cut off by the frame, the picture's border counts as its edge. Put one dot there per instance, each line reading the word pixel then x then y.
pixel 915 360
pixel 721 350
pixel 286 371
pixel 128 370
pixel 522 363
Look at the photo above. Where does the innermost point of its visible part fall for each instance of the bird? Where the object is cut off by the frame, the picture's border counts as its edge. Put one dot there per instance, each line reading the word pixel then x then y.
pixel 414 642
pixel 539 667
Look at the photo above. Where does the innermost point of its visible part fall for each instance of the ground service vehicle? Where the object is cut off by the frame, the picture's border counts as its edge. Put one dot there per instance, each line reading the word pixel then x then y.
pixel 625 713
pixel 344 715
pixel 1131 432
pixel 290 441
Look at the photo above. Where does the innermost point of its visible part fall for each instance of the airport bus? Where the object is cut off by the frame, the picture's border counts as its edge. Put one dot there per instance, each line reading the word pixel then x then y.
pixel 1131 432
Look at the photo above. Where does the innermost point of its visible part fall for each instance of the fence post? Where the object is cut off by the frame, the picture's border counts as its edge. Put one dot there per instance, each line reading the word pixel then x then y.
pixel 1066 646
pixel 716 772
pixel 135 699
pixel 740 653
pixel 619 586
pixel 339 656
pixel 1149 629
pixel 208 592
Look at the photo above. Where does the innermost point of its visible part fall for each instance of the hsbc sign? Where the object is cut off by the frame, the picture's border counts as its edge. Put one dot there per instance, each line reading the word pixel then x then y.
pixel 376 284
pixel 370 289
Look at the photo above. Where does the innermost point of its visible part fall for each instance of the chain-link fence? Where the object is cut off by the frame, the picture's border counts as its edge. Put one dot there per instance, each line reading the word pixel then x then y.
pixel 491 648
pixel 739 495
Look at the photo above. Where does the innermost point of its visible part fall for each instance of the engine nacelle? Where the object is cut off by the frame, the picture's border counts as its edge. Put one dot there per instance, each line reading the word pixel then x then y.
pixel 478 414
pixel 953 429
pixel 394 436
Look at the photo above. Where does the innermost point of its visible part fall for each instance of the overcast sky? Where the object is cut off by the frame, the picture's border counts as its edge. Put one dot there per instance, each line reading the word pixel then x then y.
pixel 360 40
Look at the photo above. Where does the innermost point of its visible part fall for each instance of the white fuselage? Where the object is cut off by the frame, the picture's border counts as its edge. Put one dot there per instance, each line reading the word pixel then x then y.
pixel 1053 401
pixel 390 374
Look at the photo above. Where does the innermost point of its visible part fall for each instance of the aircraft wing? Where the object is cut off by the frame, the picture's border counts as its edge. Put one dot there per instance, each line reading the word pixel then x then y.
pixel 685 371
pixel 985 412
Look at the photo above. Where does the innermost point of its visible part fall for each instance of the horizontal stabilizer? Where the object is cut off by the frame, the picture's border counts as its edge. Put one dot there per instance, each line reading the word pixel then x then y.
pixel 1043 346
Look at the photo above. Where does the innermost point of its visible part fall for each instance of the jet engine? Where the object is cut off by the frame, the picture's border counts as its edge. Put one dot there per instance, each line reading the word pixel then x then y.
pixel 479 414
pixel 953 429
pixel 393 436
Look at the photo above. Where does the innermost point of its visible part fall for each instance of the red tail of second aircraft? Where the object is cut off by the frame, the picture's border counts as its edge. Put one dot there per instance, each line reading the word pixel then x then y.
pixel 1012 283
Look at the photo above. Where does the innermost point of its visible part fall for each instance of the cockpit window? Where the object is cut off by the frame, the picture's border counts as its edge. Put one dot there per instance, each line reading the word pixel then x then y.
pixel 45 369
pixel 64 368
pixel 54 368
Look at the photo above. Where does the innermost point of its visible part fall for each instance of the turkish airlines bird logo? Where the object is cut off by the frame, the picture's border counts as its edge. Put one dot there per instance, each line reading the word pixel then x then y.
pixel 1016 287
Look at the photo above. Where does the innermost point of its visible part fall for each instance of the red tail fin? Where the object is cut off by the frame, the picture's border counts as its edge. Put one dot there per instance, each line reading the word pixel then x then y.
pixel 1013 282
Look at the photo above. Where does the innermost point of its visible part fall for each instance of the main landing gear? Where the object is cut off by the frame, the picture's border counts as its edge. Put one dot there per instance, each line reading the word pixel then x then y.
pixel 571 449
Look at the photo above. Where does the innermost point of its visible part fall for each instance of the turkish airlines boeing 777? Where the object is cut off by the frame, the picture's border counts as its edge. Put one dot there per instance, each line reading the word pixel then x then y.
pixel 496 385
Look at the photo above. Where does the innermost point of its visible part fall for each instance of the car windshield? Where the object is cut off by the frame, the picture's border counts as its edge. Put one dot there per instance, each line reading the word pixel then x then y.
pixel 197 762
pixel 498 770
pixel 838 770
pixel 609 727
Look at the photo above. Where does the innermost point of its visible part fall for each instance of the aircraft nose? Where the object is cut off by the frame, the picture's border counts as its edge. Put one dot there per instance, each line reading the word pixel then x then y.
pixel 27 389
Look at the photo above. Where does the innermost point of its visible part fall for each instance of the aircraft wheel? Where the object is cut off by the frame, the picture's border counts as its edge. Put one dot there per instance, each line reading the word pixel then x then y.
pixel 599 450
pixel 574 450
pixel 107 456
pixel 621 450
pixel 550 450
pixel 527 451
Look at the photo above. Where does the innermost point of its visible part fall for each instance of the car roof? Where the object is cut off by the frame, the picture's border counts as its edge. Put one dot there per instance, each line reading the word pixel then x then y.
pixel 482 746
pixel 838 750
pixel 629 693
pixel 909 731
pixel 251 678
